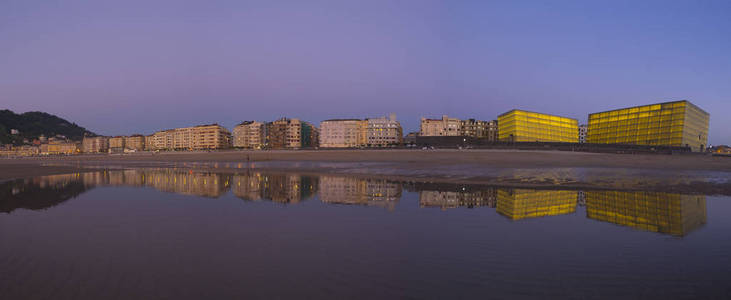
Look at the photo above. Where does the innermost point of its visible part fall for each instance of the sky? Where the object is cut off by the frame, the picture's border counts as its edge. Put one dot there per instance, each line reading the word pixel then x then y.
pixel 125 67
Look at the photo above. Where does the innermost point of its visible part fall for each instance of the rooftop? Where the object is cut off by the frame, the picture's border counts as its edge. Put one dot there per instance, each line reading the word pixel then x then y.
pixel 661 103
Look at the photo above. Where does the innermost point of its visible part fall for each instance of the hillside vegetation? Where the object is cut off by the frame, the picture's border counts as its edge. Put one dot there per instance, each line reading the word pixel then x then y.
pixel 33 124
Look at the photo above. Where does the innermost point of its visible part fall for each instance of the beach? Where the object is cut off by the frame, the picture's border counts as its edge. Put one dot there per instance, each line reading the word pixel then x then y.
pixel 687 173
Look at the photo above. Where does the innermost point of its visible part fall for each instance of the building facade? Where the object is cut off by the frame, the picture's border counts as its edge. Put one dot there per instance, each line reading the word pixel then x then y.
pixel 135 142
pixel 284 133
pixel 479 129
pixel 445 126
pixel 310 135
pixel 524 126
pixel 343 133
pixel 678 123
pixel 201 137
pixel 250 135
pixel 583 129
pixel 116 142
pixel 60 147
pixel 97 144
pixel 384 131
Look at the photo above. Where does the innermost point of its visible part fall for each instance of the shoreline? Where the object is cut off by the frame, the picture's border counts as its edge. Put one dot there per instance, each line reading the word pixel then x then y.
pixel 697 174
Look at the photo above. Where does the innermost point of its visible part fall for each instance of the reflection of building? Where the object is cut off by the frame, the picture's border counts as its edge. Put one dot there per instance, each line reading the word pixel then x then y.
pixel 384 131
pixel 201 137
pixel 285 188
pixel 678 123
pixel 199 184
pixel 524 126
pixel 288 188
pixel 453 199
pixel 343 133
pixel 250 135
pixel 248 186
pixel 673 214
pixel 347 190
pixel 95 144
pixel 519 204
pixel 445 126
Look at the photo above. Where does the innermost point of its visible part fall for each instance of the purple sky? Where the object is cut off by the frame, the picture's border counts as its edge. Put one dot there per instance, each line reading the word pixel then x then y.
pixel 123 67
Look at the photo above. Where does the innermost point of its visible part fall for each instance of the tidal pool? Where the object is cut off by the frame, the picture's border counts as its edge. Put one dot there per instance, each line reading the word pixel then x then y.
pixel 181 234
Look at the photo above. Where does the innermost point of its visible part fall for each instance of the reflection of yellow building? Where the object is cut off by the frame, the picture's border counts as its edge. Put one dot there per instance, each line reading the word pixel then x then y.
pixel 678 123
pixel 347 190
pixel 519 204
pixel 673 214
pixel 524 126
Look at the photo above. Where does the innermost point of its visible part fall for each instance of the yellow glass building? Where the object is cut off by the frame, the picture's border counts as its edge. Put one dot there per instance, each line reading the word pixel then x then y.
pixel 673 214
pixel 524 126
pixel 517 204
pixel 678 124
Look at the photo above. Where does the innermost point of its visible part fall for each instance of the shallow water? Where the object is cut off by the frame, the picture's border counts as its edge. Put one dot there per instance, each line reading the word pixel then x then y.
pixel 173 234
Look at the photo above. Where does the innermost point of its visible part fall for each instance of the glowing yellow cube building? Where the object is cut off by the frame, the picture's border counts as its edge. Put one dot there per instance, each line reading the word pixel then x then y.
pixel 524 126
pixel 679 124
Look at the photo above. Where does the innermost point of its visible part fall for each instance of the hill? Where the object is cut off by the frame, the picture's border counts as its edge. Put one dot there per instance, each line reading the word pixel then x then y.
pixel 33 124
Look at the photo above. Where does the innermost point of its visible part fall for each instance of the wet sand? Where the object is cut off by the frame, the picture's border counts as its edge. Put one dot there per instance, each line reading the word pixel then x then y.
pixel 686 173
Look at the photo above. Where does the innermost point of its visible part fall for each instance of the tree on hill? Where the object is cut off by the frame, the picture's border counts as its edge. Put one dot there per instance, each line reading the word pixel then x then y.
pixel 33 124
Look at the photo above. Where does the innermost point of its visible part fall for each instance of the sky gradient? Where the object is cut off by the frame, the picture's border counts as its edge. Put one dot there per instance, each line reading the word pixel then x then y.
pixel 124 67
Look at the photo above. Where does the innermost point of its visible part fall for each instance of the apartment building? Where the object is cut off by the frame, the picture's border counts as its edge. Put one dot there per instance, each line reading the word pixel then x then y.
pixel 97 144
pixel 59 147
pixel 343 133
pixel 445 126
pixel 677 123
pixel 250 135
pixel 212 136
pixel 135 142
pixel 479 129
pixel 384 132
pixel 525 126
pixel 284 133
pixel 116 142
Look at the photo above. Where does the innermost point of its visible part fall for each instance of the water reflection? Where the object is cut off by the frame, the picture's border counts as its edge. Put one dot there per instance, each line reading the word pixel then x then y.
pixel 673 214
pixel 40 193
pixel 517 204
pixel 666 213
pixel 446 196
pixel 356 191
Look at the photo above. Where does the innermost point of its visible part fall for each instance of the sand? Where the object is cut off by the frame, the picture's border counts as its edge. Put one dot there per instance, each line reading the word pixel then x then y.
pixel 688 173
